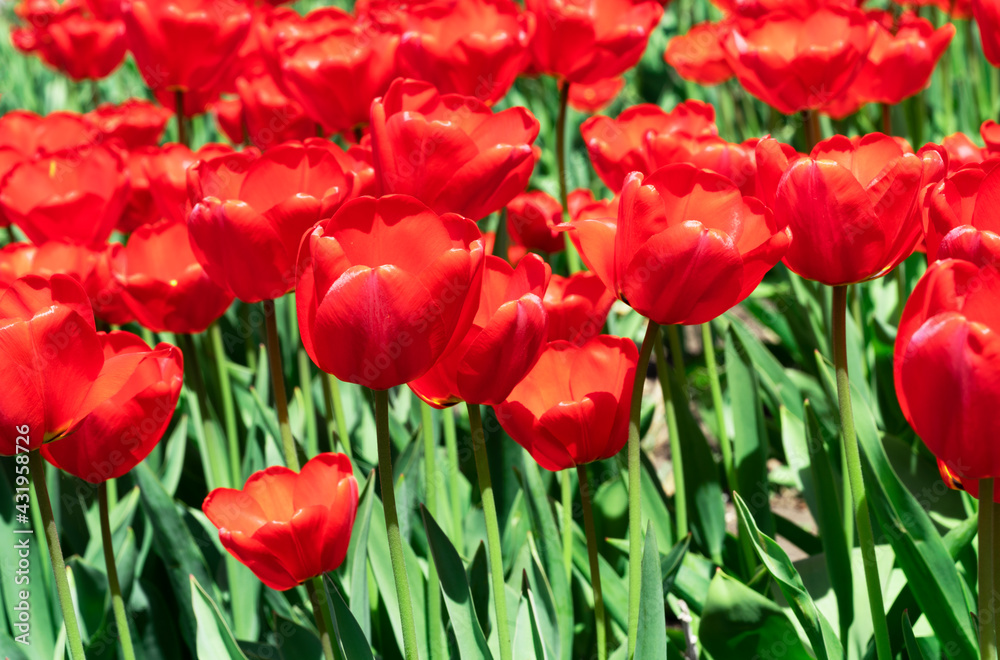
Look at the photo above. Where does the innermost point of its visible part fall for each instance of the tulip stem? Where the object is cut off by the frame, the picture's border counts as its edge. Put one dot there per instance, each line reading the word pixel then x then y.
pixel 436 641
pixel 228 411
pixel 37 468
pixel 392 525
pixel 117 602
pixel 451 445
pixel 886 118
pixel 182 127
pixel 720 413
pixel 566 484
pixel 852 452
pixel 595 565
pixel 215 474
pixel 813 133
pixel 572 256
pixel 676 453
pixel 492 529
pixel 987 571
pixel 321 612
pixel 651 338
pixel 278 384
pixel 335 413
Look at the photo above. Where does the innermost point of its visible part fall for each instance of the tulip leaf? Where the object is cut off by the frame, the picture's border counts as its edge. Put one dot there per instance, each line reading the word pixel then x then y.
pixel 615 588
pixel 173 461
pixel 824 642
pixel 295 640
pixel 455 589
pixel 215 640
pixel 774 380
pixel 529 566
pixel 350 635
pixel 670 563
pixel 912 646
pixel 357 557
pixel 654 503
pixel 12 650
pixel 651 641
pixel 527 644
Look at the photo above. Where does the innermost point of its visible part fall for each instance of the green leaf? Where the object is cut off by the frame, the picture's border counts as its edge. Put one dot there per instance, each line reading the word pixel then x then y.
pixel 824 642
pixel 350 636
pixel 357 558
pixel 173 461
pixel 455 588
pixel 527 643
pixel 214 639
pixel 654 503
pixel 670 564
pixel 774 380
pixel 297 641
pixel 651 641
pixel 912 647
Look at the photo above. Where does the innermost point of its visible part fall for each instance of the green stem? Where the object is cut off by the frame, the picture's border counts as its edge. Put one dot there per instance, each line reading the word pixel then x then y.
pixel 451 444
pixel 864 525
pixel 677 357
pixel 813 133
pixel 117 602
pixel 987 570
pixel 887 119
pixel 595 566
pixel 492 529
pixel 216 474
pixel 437 642
pixel 676 453
pixel 278 384
pixel 305 382
pixel 321 612
pixel 392 525
pixel 182 129
pixel 566 484
pixel 634 505
pixel 720 413
pixel 37 467
pixel 10 234
pixel 335 410
pixel 572 256
pixel 228 410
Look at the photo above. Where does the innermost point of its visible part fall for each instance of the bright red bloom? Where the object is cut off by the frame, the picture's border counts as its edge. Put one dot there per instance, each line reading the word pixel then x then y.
pixel 385 288
pixel 971 486
pixel 69 38
pixel 583 206
pixel 589 40
pixel 288 527
pixel 577 306
pixel 965 197
pixel 469 47
pixel 960 9
pixel 794 62
pixel 987 14
pixel 330 63
pixel 698 55
pixel 686 245
pixel 184 45
pixel 135 122
pixel 268 115
pixel 849 206
pixel 594 97
pixel 573 406
pixel 507 336
pixel 163 283
pixel 75 195
pixel 28 134
pixel 947 358
pixel 166 172
pixel 532 221
pixel 51 361
pixel 120 432
pixel 449 151
pixel 250 212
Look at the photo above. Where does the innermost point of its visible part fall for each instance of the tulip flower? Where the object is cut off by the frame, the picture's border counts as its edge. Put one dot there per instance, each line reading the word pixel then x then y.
pixel 849 206
pixel 135 122
pixel 250 212
pixel 953 481
pixel 75 195
pixel 51 362
pixel 29 134
pixel 532 219
pixel 987 15
pixel 686 245
pixel 588 41
pixel 799 62
pixel 577 306
pixel 572 408
pixel 163 283
pixel 451 152
pixel 286 526
pixel 470 47
pixel 184 45
pixel 385 288
pixel 140 208
pixel 506 338
pixel 269 116
pixel 121 431
pixel 594 97
pixel 166 172
pixel 964 198
pixel 698 55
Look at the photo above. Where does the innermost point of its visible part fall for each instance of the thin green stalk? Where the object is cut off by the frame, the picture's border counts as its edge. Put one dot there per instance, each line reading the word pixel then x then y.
pixel 392 525
pixel 492 530
pixel 10 234
pixel 595 566
pixel 572 256
pixel 112 485
pixel 634 504
pixel 676 453
pixel 864 525
pixel 117 602
pixel 886 119
pixel 305 382
pixel 37 467
pixel 566 484
pixel 987 570
pixel 720 413
pixel 677 357
pixel 335 411
pixel 228 410
pixel 321 612
pixel 183 136
pixel 811 130
pixel 451 445
pixel 278 385
pixel 216 473
pixel 436 641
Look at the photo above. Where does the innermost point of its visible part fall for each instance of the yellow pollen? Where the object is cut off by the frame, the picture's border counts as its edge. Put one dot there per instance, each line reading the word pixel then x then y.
pixel 52 169
pixel 173 282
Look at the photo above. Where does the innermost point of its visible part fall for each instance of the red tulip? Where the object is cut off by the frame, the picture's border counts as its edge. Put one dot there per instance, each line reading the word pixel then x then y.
pixel 120 432
pixel 966 197
pixel 595 96
pixel 184 45
pixel 686 245
pixel 849 206
pixel 573 406
pixel 450 152
pixel 987 14
pixel 698 55
pixel 51 362
pixel 532 221
pixel 946 359
pixel 506 338
pixel 250 212
pixel 960 9
pixel 29 134
pixel 140 209
pixel 385 288
pixel 135 122
pixel 166 172
pixel 800 62
pixel 577 306
pixel 971 486
pixel 270 117
pixel 163 283
pixel 470 47
pixel 583 206
pixel 69 38
pixel 75 195
pixel 590 40
pixel 288 527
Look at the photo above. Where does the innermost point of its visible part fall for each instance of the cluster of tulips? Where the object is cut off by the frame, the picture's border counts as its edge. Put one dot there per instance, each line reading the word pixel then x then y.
pixel 366 152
